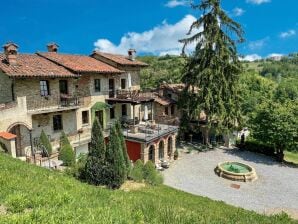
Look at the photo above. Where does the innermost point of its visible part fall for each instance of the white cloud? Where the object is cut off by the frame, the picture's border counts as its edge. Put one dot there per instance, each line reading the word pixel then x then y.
pixel 258 44
pixel 238 11
pixel 274 55
pixel 287 34
pixel 251 57
pixel 175 3
pixel 160 40
pixel 258 2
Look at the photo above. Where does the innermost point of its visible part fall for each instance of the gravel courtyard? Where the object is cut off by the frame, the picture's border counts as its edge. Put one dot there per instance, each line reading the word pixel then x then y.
pixel 275 189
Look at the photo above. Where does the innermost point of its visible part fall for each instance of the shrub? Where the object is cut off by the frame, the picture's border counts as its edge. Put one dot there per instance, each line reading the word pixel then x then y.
pixel 151 175
pixel 63 140
pixel 95 171
pixel 137 173
pixel 176 154
pixel 44 141
pixel 3 147
pixel 115 161
pixel 67 155
pixel 258 147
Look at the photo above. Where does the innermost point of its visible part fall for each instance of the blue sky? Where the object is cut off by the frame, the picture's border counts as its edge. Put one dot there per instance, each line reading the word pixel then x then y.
pixel 152 27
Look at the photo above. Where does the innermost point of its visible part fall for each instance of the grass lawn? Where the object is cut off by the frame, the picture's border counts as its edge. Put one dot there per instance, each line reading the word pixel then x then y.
pixel 29 194
pixel 291 157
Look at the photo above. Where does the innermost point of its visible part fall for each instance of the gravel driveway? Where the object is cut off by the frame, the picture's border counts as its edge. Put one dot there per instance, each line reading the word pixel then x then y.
pixel 275 189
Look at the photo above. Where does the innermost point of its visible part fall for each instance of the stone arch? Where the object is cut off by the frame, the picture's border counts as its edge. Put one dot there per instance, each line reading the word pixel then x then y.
pixel 161 153
pixel 151 153
pixel 19 123
pixel 22 141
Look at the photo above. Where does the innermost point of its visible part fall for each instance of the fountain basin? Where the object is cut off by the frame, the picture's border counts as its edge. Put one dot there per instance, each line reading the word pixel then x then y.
pixel 236 171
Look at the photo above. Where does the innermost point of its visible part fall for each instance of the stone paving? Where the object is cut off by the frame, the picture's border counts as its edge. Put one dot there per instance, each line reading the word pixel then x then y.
pixel 276 188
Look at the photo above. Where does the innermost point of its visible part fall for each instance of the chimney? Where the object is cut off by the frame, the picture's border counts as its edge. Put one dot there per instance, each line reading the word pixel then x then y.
pixel 53 47
pixel 132 54
pixel 11 51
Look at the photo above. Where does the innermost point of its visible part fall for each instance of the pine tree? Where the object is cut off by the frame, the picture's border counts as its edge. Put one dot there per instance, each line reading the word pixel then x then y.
pixel 95 167
pixel 115 161
pixel 45 142
pixel 124 148
pixel 66 154
pixel 63 139
pixel 212 72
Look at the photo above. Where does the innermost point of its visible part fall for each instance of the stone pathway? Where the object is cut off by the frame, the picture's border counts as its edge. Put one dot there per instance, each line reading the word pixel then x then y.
pixel 276 188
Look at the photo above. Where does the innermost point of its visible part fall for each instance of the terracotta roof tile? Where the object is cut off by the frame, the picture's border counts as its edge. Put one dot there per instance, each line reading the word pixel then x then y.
pixel 80 63
pixel 175 88
pixel 120 59
pixel 164 101
pixel 7 135
pixel 32 65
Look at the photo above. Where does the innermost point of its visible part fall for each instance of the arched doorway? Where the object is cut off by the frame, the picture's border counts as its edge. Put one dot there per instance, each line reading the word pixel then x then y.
pixel 22 131
pixel 170 146
pixel 151 155
pixel 161 150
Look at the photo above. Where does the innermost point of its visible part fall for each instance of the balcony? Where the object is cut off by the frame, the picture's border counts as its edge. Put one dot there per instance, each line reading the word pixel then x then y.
pixel 130 96
pixel 55 103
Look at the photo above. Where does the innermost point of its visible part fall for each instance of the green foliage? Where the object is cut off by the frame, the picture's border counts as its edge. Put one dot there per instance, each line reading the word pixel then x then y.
pixel 124 149
pixel 176 153
pixel 3 147
pixel 151 175
pixel 35 195
pixel 63 139
pixel 161 69
pixel 287 90
pixel 78 169
pixel 214 68
pixel 276 124
pixel 117 172
pixel 67 155
pixel 137 171
pixel 95 167
pixel 258 147
pixel 44 141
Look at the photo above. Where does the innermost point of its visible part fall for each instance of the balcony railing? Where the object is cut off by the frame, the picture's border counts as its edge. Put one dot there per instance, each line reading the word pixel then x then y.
pixel 5 106
pixel 133 94
pixel 57 102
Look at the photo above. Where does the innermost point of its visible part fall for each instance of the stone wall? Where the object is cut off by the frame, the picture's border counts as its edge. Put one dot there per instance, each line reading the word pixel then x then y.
pixel 5 88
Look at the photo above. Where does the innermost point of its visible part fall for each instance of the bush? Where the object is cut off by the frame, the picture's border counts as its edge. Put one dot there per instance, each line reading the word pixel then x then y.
pixel 44 141
pixel 78 169
pixel 176 154
pixel 63 140
pixel 67 155
pixel 258 147
pixel 137 171
pixel 151 175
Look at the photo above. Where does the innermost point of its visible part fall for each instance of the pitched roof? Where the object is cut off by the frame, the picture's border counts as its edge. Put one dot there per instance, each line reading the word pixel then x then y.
pixel 7 135
pixel 80 63
pixel 120 59
pixel 176 88
pixel 164 101
pixel 31 65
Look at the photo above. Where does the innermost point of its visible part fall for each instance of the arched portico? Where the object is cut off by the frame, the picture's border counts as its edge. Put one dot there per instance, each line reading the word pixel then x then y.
pixel 161 153
pixel 23 139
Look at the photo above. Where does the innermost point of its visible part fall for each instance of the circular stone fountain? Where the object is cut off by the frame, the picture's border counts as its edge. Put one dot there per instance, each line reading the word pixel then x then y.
pixel 236 171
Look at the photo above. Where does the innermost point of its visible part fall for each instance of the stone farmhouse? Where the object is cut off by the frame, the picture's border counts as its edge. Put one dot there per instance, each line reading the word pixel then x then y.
pixel 57 92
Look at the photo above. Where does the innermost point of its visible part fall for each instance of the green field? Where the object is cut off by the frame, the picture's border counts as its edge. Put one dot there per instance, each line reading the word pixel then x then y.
pixel 30 194
pixel 291 157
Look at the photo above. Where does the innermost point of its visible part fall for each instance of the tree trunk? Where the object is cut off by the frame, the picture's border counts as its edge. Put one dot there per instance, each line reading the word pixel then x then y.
pixel 280 155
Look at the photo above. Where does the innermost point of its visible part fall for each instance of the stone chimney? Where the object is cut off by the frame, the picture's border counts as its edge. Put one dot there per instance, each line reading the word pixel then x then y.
pixel 11 52
pixel 132 54
pixel 53 47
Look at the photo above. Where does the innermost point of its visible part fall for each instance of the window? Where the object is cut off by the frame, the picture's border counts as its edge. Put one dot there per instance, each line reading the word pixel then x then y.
pixel 97 85
pixel 63 86
pixel 123 83
pixel 124 110
pixel 170 95
pixel 112 113
pixel 57 122
pixel 166 111
pixel 172 109
pixel 85 117
pixel 44 88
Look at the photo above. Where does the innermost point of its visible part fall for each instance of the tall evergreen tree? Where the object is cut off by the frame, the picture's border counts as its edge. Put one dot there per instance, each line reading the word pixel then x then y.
pixel 124 148
pixel 213 68
pixel 95 167
pixel 45 142
pixel 63 139
pixel 115 161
